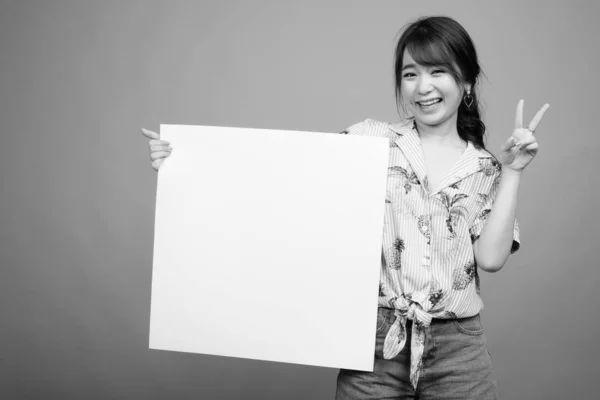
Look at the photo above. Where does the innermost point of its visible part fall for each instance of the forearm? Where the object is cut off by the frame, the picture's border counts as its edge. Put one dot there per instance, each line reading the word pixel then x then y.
pixel 492 248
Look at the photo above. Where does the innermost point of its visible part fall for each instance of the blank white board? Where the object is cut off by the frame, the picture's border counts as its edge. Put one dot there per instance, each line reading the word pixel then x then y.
pixel 268 245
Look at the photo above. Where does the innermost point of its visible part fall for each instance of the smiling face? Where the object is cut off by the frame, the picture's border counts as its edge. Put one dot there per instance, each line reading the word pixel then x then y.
pixel 430 92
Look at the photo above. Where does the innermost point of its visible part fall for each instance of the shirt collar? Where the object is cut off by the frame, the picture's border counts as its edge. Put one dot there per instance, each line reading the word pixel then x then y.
pixel 472 160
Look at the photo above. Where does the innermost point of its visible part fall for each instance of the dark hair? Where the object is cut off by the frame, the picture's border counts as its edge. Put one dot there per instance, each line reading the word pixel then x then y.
pixel 443 41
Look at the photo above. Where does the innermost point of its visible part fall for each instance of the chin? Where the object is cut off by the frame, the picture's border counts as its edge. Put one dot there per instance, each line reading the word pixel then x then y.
pixel 430 121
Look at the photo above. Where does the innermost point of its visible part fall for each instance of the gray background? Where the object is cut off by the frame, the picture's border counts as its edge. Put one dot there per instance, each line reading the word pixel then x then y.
pixel 79 79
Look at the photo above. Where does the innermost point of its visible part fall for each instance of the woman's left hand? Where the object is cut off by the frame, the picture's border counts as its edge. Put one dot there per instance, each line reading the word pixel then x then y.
pixel 518 151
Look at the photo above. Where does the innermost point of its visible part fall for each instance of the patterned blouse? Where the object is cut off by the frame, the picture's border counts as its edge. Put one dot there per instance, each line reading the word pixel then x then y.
pixel 428 268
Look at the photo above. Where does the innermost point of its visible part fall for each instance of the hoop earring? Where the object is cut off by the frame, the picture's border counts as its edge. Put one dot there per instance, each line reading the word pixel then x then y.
pixel 468 99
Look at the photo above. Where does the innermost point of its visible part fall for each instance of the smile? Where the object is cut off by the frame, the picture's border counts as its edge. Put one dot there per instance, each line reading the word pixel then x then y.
pixel 429 102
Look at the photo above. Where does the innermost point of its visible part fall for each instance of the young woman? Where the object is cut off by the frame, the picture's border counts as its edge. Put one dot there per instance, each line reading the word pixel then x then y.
pixel 450 208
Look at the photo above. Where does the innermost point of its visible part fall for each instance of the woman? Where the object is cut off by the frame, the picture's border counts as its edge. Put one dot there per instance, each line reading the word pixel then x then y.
pixel 450 208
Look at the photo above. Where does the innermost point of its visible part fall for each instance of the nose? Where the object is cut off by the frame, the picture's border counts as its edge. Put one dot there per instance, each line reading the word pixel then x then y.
pixel 424 84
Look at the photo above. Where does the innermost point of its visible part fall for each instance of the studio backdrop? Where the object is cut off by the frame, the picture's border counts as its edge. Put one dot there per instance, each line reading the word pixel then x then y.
pixel 78 79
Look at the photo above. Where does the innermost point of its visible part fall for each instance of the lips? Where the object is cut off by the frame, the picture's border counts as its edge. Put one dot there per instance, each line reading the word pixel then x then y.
pixel 429 102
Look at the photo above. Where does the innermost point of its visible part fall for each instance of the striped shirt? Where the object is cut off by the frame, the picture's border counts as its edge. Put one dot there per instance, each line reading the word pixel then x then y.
pixel 428 268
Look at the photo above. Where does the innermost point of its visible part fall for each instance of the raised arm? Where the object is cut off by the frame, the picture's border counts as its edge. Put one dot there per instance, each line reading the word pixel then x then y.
pixel 493 246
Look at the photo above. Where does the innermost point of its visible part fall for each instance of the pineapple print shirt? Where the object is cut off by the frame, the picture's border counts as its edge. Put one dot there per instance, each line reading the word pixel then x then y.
pixel 428 268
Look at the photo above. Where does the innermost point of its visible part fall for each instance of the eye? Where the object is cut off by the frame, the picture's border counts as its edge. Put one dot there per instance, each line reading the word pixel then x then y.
pixel 408 75
pixel 439 71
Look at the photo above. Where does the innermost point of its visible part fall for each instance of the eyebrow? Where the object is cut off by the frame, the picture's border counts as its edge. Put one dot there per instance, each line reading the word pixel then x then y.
pixel 408 66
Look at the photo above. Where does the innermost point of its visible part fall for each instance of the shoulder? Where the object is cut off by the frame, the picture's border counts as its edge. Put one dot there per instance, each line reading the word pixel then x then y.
pixel 489 165
pixel 373 127
pixel 484 154
pixel 490 170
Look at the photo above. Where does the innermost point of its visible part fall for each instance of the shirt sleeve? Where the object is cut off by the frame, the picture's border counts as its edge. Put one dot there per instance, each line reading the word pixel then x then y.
pixel 488 200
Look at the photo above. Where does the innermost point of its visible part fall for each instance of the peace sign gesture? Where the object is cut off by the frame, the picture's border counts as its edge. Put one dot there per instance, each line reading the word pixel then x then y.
pixel 518 151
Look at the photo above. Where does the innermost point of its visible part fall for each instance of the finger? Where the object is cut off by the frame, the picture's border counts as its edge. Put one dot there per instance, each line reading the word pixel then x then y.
pixel 508 144
pixel 538 117
pixel 150 134
pixel 158 143
pixel 532 146
pixel 159 154
pixel 514 150
pixel 161 148
pixel 521 135
pixel 528 141
pixel 157 163
pixel 532 149
pixel 519 116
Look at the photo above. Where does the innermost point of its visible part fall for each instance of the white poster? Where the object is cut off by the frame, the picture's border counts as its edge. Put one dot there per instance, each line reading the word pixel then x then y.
pixel 268 245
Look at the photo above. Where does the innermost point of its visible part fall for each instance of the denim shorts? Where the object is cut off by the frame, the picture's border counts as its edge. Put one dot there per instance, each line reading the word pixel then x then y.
pixel 456 365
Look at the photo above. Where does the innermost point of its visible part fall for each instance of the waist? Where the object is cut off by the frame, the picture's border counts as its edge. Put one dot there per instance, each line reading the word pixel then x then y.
pixel 389 314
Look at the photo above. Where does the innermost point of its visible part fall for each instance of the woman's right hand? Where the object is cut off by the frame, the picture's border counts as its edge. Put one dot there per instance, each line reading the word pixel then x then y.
pixel 159 149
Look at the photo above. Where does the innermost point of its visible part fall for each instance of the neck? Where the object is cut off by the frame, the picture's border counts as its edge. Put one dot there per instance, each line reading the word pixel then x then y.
pixel 444 133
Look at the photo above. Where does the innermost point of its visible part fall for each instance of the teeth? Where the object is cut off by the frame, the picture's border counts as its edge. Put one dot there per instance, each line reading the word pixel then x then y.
pixel 430 102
